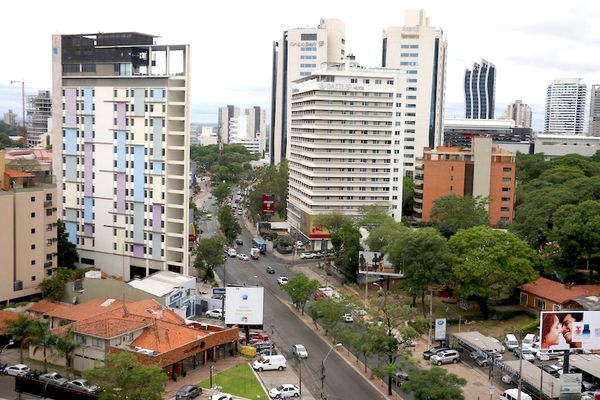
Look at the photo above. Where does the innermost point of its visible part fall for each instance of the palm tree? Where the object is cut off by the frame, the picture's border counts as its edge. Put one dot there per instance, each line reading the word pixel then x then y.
pixel 20 330
pixel 42 339
pixel 66 346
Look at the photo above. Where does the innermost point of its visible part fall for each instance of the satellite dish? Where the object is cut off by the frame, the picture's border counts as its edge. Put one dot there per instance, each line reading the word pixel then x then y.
pixel 74 301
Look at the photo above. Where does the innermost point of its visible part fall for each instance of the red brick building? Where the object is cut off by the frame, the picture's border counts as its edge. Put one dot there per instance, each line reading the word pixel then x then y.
pixel 483 170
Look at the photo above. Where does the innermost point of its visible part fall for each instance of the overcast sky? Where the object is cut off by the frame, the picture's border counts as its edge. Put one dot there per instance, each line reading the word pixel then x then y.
pixel 530 42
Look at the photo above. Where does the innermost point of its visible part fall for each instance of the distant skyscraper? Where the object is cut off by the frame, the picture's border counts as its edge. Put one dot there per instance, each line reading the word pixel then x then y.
pixel 595 111
pixel 420 50
pixel 226 113
pixel 10 118
pixel 296 55
pixel 121 150
pixel 39 110
pixel 565 107
pixel 256 128
pixel 480 87
pixel 520 113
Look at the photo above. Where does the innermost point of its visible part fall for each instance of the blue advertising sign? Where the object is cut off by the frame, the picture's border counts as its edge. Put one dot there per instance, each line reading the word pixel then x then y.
pixel 218 290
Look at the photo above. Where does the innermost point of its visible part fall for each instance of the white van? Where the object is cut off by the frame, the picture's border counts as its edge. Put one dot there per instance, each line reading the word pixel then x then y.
pixel 513 394
pixel 528 341
pixel 266 363
pixel 511 342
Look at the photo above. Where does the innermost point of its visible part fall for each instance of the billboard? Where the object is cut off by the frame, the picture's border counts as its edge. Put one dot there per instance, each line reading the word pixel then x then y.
pixel 374 263
pixel 268 204
pixel 440 329
pixel 244 305
pixel 564 330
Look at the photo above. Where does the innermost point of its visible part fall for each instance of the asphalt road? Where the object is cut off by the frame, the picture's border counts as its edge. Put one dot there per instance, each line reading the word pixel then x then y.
pixel 341 381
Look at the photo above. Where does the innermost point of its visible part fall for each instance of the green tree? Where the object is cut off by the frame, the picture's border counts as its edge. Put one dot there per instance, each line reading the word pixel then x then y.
pixel 42 339
pixel 67 255
pixel 346 244
pixel 228 223
pixel 577 230
pixel 123 378
pixel 423 256
pixel 489 263
pixel 373 216
pixel 269 180
pixel 434 384
pixel 530 166
pixel 329 311
pixel 333 221
pixel 221 192
pixel 20 331
pixel 209 255
pixel 301 289
pixel 451 213
pixel 53 287
pixel 382 236
pixel 65 346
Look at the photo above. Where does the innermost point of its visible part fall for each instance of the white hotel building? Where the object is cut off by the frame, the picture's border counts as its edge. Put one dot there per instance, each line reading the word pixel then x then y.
pixel 351 131
pixel 121 150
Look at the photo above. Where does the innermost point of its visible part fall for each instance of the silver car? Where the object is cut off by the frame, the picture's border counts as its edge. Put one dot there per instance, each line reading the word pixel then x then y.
pixel 54 378
pixel 82 385
pixel 446 357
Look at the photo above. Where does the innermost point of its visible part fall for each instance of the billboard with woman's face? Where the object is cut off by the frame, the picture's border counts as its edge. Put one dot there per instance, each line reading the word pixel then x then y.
pixel 564 330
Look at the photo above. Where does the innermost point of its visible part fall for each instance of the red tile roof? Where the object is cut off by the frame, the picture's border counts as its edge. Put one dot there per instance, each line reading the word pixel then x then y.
pixel 6 315
pixel 163 337
pixel 48 307
pixel 558 292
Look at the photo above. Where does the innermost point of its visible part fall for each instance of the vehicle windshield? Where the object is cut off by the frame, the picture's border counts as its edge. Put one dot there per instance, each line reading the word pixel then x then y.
pixel 57 376
pixel 280 388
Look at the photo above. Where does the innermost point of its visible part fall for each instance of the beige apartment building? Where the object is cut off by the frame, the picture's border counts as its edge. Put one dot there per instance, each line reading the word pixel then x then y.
pixel 28 234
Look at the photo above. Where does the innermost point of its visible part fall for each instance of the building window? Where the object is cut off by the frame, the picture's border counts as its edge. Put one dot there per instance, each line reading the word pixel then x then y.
pixel 32 262
pixel 32 230
pixel 32 278
pixel 99 343
pixel 32 199
pixel 32 215
pixel 33 247
pixel 524 299
pixel 541 304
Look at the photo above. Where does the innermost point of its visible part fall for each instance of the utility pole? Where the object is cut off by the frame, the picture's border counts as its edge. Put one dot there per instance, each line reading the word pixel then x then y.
pixel 24 129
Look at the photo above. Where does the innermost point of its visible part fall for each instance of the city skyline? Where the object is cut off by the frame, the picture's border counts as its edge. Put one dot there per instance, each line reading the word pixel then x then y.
pixel 226 76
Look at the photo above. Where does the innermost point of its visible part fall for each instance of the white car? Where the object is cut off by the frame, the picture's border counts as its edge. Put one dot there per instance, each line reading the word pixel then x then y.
pixel 284 391
pixel 82 385
pixel 243 257
pixel 527 354
pixel 542 355
pixel 348 317
pixel 216 313
pixel 221 396
pixel 17 370
pixel 299 244
pixel 282 280
pixel 306 256
pixel 231 253
pixel 299 351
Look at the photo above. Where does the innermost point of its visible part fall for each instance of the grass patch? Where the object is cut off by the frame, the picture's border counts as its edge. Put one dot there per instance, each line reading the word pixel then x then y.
pixel 238 381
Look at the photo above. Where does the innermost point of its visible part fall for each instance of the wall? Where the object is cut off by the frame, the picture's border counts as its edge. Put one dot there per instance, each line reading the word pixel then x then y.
pixel 94 288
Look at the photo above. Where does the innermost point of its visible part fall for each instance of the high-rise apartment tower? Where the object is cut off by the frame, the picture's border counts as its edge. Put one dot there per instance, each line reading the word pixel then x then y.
pixel 594 111
pixel 120 136
pixel 420 50
pixel 565 107
pixel 480 87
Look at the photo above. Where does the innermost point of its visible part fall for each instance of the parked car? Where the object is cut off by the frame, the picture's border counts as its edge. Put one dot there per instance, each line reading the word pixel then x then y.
pixel 482 360
pixel 263 345
pixel 528 341
pixel 188 392
pixel 527 354
pixel 270 270
pixel 82 385
pixel 243 257
pixel 284 391
pixel 428 353
pixel 282 280
pixel 542 355
pixel 221 396
pixel 17 370
pixel 54 378
pixel 267 352
pixel 348 317
pixel 399 378
pixel 446 357
pixel 511 342
pixel 215 313
pixel 306 256
pixel 299 351
pixel 551 370
pixel 231 253
pixel 239 242
pixel 509 379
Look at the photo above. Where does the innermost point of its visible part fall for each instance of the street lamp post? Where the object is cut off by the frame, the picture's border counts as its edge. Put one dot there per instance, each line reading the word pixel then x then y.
pixel 225 286
pixel 520 385
pixel 323 368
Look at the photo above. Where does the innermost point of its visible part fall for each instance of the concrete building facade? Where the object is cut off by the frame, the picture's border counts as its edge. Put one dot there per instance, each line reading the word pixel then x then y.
pixel 121 140
pixel 594 128
pixel 520 113
pixel 226 114
pixel 480 88
pixel 10 118
pixel 349 134
pixel 483 170
pixel 256 127
pixel 39 112
pixel 296 55
pixel 559 145
pixel 460 132
pixel 420 49
pixel 28 234
pixel 565 107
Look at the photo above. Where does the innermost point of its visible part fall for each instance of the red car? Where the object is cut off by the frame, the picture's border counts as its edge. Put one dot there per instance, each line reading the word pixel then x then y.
pixel 319 295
